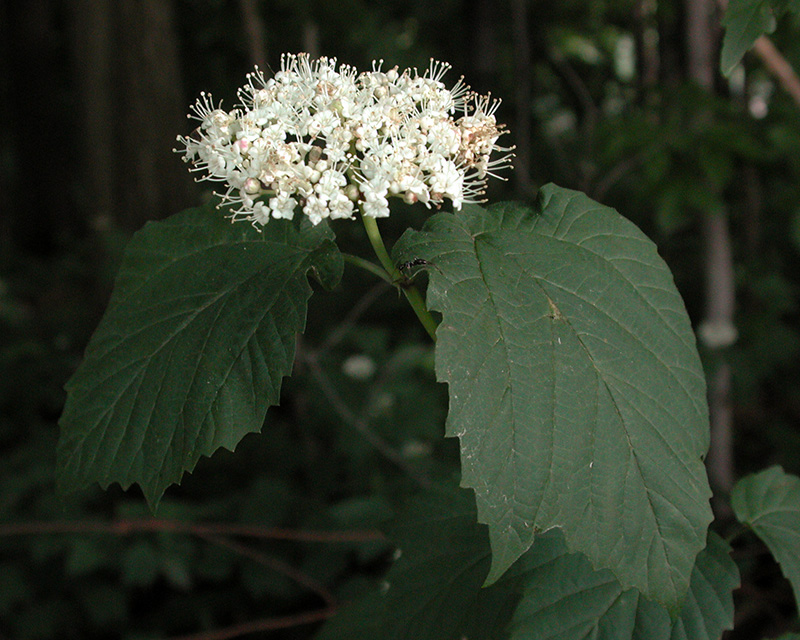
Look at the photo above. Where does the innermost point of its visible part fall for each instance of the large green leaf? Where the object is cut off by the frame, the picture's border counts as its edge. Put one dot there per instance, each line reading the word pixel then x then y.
pixel 433 591
pixel 769 503
pixel 575 385
pixel 191 352
pixel 565 599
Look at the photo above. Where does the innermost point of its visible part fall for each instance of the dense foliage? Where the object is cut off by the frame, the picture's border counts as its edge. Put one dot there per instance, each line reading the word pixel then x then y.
pixel 354 455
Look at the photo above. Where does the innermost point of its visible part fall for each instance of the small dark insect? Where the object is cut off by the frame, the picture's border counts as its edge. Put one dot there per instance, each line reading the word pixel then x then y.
pixel 416 262
pixel 406 279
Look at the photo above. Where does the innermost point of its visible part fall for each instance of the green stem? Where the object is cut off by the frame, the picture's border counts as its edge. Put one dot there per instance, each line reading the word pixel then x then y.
pixel 373 268
pixel 374 235
pixel 412 294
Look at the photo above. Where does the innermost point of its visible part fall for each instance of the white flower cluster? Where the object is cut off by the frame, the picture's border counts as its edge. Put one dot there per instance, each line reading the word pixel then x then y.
pixel 331 140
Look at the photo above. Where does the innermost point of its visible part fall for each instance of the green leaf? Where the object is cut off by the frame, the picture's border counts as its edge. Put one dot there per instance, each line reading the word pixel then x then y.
pixel 434 589
pixel 575 385
pixel 191 352
pixel 769 503
pixel 747 20
pixel 565 599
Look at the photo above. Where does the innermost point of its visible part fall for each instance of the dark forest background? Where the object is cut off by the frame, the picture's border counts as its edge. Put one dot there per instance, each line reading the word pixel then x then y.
pixel 619 98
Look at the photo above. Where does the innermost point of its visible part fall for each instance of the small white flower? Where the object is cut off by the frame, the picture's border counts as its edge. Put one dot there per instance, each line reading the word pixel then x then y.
pixel 282 206
pixel 329 140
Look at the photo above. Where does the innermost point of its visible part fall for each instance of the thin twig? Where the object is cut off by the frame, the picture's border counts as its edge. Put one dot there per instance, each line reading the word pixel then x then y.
pixel 128 527
pixel 268 624
pixel 349 321
pixel 373 268
pixel 281 567
pixel 359 423
pixel 778 66
pixel 621 169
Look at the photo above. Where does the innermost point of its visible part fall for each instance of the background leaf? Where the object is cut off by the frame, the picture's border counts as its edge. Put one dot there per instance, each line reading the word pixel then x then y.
pixel 434 589
pixel 769 503
pixel 745 21
pixel 191 352
pixel 575 385
pixel 565 599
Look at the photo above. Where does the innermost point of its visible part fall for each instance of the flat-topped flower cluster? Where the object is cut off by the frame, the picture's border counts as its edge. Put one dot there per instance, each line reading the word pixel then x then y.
pixel 330 141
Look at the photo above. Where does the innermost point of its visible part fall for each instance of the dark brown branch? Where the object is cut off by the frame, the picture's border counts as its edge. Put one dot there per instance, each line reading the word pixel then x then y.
pixel 275 564
pixel 268 624
pixel 778 66
pixel 775 63
pixel 128 527
pixel 359 423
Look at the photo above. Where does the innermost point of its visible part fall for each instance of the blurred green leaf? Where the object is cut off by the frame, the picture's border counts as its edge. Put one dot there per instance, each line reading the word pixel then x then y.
pixel 360 619
pixel 433 591
pixel 571 365
pixel 745 21
pixel 84 556
pixel 193 347
pixel 14 587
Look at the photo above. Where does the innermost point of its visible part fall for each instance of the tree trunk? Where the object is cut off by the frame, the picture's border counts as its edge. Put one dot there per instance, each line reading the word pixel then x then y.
pixel 37 206
pixel 717 329
pixel 93 64
pixel 132 104
pixel 153 111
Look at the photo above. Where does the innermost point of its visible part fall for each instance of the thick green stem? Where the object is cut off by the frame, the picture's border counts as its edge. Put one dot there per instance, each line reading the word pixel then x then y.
pixel 373 268
pixel 411 292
